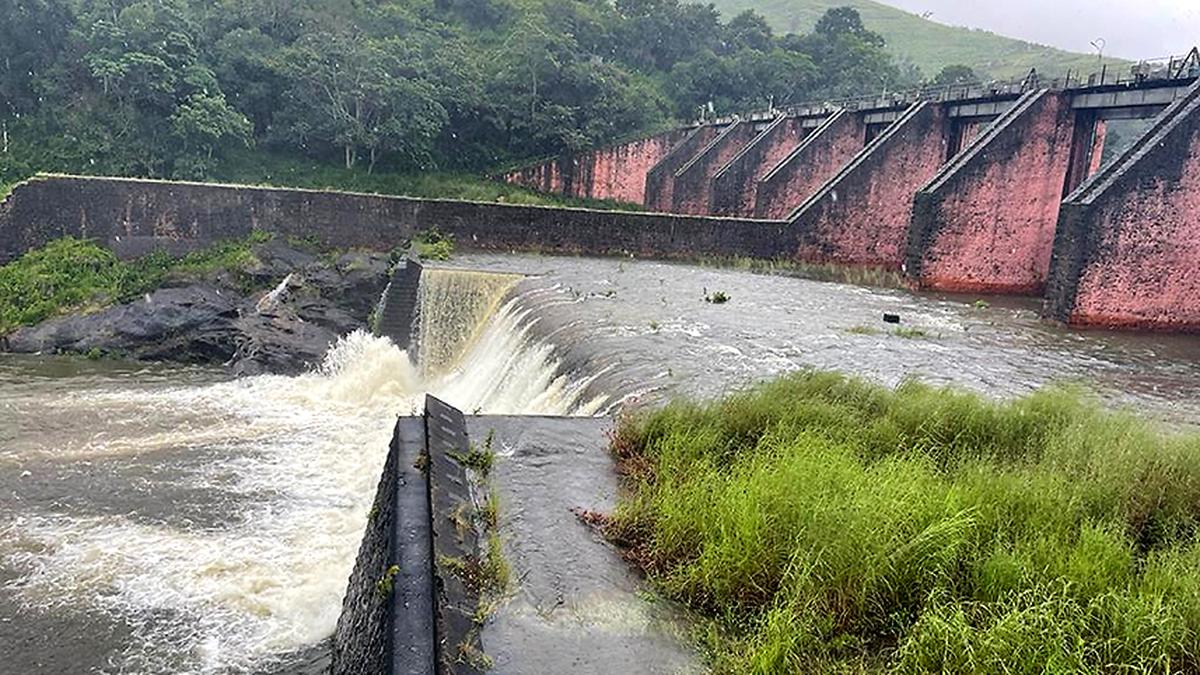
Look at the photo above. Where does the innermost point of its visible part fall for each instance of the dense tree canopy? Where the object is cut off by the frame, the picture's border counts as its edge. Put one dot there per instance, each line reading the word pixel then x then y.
pixel 165 87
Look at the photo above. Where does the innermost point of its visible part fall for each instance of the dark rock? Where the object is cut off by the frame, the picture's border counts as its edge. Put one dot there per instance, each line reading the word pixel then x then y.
pixel 283 344
pixel 190 325
pixel 287 329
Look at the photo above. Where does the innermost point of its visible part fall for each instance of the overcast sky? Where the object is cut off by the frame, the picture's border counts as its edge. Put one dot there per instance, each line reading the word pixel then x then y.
pixel 1133 29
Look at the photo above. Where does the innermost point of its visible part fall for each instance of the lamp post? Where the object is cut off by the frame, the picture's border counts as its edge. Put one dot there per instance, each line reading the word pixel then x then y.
pixel 1099 44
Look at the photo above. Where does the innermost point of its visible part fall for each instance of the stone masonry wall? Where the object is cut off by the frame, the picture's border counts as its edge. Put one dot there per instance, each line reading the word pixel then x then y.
pixel 1127 251
pixel 135 216
pixel 861 216
pixel 732 192
pixel 986 223
pixel 693 181
pixel 362 643
pixel 615 172
pixel 817 159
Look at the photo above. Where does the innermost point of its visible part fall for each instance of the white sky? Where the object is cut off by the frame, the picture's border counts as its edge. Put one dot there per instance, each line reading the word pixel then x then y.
pixel 1133 29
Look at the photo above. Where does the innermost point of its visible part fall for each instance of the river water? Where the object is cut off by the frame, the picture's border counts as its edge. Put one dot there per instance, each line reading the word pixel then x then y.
pixel 163 519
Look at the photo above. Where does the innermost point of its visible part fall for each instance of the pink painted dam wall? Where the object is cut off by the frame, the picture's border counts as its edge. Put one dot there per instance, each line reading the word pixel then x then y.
pixel 615 172
pixel 861 216
pixel 733 187
pixel 693 181
pixel 1127 253
pixel 660 180
pixel 801 173
pixel 986 223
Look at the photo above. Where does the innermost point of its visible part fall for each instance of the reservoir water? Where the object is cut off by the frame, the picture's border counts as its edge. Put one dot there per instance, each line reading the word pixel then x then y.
pixel 168 519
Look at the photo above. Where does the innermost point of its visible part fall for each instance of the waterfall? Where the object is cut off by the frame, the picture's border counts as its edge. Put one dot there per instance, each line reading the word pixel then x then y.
pixel 452 309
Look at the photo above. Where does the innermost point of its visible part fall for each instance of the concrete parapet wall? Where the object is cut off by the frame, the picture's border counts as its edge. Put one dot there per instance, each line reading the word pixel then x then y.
pixel 660 180
pixel 1127 249
pixel 614 172
pixel 693 181
pixel 732 191
pixel 803 171
pixel 861 216
pixel 985 224
pixel 136 216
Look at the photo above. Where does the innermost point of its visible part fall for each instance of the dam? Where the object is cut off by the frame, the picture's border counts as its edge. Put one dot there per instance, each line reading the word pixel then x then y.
pixel 169 519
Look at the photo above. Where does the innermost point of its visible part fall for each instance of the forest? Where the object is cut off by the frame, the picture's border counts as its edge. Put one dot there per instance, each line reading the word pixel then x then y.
pixel 183 88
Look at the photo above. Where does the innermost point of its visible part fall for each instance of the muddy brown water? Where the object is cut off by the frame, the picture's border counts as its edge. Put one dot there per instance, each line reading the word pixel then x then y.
pixel 165 519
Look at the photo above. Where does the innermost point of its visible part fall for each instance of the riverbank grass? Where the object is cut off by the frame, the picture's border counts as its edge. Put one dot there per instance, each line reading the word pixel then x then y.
pixel 824 524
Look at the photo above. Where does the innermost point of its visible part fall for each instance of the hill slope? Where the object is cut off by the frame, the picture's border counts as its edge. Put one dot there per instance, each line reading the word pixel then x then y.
pixel 928 44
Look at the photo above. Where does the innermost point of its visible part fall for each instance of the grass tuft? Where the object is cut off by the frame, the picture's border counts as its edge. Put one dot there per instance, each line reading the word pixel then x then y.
pixel 825 524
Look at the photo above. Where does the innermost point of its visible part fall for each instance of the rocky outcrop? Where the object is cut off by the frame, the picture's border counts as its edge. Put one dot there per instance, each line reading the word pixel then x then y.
pixel 308 303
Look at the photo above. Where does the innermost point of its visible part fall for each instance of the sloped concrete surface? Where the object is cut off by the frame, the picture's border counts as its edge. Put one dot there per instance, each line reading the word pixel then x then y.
pixel 575 606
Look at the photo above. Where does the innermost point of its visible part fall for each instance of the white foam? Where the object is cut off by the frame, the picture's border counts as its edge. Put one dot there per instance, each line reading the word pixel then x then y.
pixel 305 454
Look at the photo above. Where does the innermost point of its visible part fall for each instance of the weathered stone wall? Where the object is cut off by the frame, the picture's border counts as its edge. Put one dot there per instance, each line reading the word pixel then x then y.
pixel 135 216
pixel 693 181
pixel 362 642
pixel 861 216
pixel 613 172
pixel 660 180
pixel 732 192
pixel 1127 249
pixel 817 159
pixel 985 224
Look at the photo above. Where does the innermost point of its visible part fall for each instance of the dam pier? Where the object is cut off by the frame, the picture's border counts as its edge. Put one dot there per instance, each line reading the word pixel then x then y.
pixel 999 188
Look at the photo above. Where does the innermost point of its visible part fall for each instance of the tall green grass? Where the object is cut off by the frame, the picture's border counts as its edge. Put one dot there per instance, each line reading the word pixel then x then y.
pixel 825 524
pixel 71 275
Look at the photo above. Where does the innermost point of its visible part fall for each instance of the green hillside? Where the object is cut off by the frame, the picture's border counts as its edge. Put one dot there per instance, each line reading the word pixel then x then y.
pixel 928 44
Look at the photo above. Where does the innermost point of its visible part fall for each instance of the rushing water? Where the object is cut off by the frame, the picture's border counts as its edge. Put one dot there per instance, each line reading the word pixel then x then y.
pixel 170 520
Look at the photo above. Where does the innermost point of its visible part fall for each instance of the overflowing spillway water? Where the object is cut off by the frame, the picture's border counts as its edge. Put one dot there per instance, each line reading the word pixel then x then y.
pixel 168 520
pixel 230 534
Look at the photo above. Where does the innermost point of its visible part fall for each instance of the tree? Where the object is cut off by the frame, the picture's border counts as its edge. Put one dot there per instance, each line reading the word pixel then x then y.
pixel 956 74
pixel 851 60
pixel 747 30
pixel 356 94
pixel 204 122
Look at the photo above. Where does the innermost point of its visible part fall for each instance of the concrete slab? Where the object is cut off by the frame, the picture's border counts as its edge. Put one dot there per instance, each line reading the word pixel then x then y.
pixel 575 606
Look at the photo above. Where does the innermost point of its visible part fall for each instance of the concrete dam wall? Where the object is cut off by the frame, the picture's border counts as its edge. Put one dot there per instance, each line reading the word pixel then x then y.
pixel 967 232
pixel 973 192
pixel 135 216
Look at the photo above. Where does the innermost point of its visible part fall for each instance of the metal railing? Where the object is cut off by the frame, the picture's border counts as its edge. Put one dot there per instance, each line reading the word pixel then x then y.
pixel 1142 73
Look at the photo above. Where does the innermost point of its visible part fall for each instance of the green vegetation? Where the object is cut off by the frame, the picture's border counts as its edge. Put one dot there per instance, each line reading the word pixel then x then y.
pixel 191 89
pixel 387 583
pixel 71 275
pixel 910 333
pixel 844 274
pixel 928 45
pixel 825 524
pixel 716 298
pixel 862 330
pixel 273 169
pixel 433 245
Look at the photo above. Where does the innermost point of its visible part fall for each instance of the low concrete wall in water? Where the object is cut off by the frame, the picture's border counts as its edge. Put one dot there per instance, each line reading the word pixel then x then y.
pixel 135 216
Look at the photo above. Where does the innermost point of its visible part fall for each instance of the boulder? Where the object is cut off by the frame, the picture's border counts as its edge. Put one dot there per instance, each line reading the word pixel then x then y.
pixel 287 329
